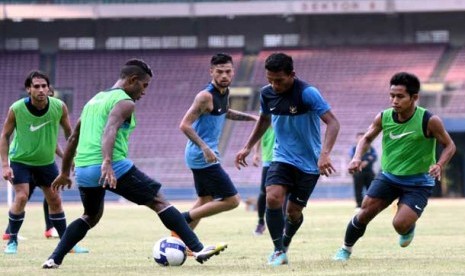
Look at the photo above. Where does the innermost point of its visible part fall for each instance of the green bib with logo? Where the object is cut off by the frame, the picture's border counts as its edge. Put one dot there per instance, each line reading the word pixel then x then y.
pixel 35 138
pixel 406 150
pixel 94 118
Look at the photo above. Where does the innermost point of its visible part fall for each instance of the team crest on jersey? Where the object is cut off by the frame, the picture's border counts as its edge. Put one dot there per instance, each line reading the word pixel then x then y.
pixel 293 109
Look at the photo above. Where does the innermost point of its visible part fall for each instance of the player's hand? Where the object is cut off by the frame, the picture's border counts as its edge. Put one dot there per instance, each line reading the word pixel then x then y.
pixel 209 156
pixel 240 158
pixel 61 181
pixel 325 166
pixel 355 166
pixel 107 177
pixel 8 174
pixel 256 160
pixel 435 171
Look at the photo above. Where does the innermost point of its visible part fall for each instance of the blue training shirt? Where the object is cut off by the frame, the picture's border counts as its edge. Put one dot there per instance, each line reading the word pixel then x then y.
pixel 208 127
pixel 296 121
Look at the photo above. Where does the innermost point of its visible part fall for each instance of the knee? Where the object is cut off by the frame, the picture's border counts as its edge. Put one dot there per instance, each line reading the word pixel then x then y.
pixel 91 220
pixel 234 201
pixel 401 226
pixel 365 215
pixel 54 202
pixel 273 201
pixel 21 198
pixel 294 215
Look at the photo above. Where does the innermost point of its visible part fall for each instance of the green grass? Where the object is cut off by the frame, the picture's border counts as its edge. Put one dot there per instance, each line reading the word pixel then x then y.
pixel 121 244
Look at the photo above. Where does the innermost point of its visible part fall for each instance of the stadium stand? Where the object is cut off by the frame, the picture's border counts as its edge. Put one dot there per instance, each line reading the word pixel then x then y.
pixel 14 69
pixel 456 72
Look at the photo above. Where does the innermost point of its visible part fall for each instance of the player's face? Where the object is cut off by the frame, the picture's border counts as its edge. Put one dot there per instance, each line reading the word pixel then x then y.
pixel 136 88
pixel 222 74
pixel 401 100
pixel 280 81
pixel 38 90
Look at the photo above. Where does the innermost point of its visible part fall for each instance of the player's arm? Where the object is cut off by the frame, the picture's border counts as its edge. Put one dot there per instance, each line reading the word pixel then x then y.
pixel 70 150
pixel 261 126
pixel 63 179
pixel 257 154
pixel 65 122
pixel 240 116
pixel 121 112
pixel 203 103
pixel 332 129
pixel 7 130
pixel 364 144
pixel 59 151
pixel 437 130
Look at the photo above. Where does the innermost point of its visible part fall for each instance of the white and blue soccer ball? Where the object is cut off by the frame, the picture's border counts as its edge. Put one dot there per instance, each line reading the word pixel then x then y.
pixel 169 251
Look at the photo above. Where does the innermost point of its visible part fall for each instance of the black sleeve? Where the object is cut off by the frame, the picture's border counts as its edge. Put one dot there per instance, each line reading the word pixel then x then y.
pixel 426 118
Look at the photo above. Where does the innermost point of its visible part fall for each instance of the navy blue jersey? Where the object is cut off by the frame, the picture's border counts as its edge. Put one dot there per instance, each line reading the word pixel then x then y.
pixel 296 121
pixel 208 127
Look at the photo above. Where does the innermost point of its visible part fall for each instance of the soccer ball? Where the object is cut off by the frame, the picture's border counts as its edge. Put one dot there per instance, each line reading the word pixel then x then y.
pixel 169 251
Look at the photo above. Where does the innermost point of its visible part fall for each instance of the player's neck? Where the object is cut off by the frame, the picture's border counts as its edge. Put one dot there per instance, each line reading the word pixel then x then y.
pixel 407 114
pixel 222 90
pixel 39 105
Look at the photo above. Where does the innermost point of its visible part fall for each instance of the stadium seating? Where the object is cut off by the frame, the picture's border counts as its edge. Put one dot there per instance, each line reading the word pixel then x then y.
pixel 13 72
pixel 456 72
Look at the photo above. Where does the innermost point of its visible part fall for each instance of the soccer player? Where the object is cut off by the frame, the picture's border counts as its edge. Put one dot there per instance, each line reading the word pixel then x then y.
pixel 35 121
pixel 295 109
pixel 100 142
pixel 363 178
pixel 203 124
pixel 50 231
pixel 408 163
pixel 263 152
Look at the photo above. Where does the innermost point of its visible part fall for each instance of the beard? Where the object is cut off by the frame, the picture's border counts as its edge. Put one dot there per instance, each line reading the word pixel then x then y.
pixel 224 84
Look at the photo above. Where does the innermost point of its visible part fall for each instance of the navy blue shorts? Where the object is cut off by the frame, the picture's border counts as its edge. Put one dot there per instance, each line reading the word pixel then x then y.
pixel 300 184
pixel 39 175
pixel 213 181
pixel 416 197
pixel 137 187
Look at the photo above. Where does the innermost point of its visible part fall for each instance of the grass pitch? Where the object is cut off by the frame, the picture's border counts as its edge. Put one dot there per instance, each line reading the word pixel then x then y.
pixel 121 244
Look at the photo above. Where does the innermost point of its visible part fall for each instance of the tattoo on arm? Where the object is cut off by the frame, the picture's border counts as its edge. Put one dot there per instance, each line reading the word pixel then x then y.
pixel 239 116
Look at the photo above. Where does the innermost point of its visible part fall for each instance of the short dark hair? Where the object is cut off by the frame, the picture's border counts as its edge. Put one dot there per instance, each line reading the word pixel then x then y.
pixel 137 67
pixel 278 62
pixel 410 81
pixel 220 58
pixel 35 74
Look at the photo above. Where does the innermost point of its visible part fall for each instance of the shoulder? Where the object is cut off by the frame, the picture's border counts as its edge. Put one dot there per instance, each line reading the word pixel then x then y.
pixel 204 96
pixel 312 96
pixel 120 93
pixel 56 101
pixel 266 90
pixel 385 114
pixel 310 90
pixel 427 114
pixel 18 103
pixel 379 118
